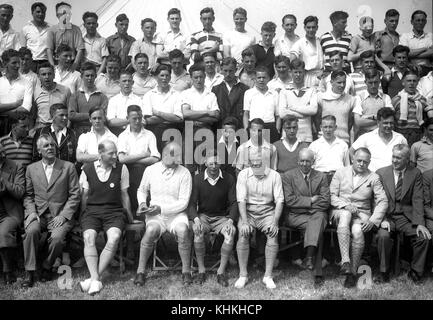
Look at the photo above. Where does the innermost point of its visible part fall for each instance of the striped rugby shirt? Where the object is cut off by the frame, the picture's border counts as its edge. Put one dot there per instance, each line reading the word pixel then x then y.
pixel 329 44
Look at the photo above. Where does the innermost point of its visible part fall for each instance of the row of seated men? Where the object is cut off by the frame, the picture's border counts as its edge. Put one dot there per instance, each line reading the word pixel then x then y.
pixel 51 192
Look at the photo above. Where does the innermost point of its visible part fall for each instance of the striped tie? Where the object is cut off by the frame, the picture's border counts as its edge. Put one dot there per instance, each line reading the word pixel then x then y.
pixel 398 187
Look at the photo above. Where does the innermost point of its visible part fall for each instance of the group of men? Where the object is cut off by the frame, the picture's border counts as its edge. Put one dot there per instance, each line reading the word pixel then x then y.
pixel 302 141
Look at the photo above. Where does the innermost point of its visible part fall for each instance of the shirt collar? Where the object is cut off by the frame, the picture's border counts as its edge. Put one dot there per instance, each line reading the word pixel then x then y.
pixel 418 37
pixel 386 31
pixel 222 140
pixel 367 95
pixel 63 131
pixel 266 172
pixel 210 31
pixel 98 164
pixel 97 35
pixel 396 172
pixel 265 144
pixel 81 89
pixel 45 165
pixel 206 176
pixel 425 140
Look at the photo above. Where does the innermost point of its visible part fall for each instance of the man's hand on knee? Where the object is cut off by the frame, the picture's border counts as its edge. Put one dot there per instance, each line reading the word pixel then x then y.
pixel 423 231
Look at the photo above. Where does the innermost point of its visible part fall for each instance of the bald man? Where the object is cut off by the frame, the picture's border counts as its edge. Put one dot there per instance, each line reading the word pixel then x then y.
pixel 105 197
pixel 260 197
pixel 359 204
pixel 306 194
pixel 169 185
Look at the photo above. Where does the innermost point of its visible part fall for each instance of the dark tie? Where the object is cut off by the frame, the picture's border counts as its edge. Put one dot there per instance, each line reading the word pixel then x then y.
pixel 307 182
pixel 398 187
pixel 299 94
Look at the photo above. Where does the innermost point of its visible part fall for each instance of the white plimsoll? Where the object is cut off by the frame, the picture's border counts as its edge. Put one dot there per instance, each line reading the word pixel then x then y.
pixel 85 285
pixel 95 287
pixel 269 282
pixel 241 282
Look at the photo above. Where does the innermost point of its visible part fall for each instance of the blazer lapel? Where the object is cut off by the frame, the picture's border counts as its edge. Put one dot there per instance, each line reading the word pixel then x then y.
pixel 41 173
pixel 361 181
pixel 300 183
pixel 389 182
pixel 57 170
pixel 407 182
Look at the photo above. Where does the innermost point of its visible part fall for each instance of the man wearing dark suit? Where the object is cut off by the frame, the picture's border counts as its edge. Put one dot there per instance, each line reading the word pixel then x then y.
pixel 51 199
pixel 306 193
pixel 63 137
pixel 230 92
pixel 404 188
pixel 12 185
pixel 228 144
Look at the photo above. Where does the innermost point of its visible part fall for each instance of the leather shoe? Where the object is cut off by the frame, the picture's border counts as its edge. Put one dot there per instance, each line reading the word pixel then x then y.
pixel 318 281
pixel 413 275
pixel 186 278
pixel 222 280
pixel 308 263
pixel 140 279
pixel 46 275
pixel 201 278
pixel 382 277
pixel 345 268
pixel 28 279
pixel 350 281
pixel 9 277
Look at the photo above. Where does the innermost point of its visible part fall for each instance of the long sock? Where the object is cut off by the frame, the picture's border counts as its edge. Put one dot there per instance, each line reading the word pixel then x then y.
pixel 226 250
pixel 271 251
pixel 184 248
pixel 146 249
pixel 343 234
pixel 106 256
pixel 243 250
pixel 311 250
pixel 357 250
pixel 200 251
pixel 91 257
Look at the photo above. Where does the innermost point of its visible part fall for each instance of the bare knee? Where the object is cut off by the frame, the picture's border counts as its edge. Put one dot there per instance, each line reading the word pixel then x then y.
pixel 344 218
pixel 89 237
pixel 152 232
pixel 181 230
pixel 357 233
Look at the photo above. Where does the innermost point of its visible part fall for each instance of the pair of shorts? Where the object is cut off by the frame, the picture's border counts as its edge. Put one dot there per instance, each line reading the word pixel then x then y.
pixel 103 220
pixel 212 223
pixel 360 218
pixel 168 222
pixel 260 216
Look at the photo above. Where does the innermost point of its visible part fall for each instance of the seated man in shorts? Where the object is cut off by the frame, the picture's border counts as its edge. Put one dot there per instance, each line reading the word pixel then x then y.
pixel 104 198
pixel 213 207
pixel 169 186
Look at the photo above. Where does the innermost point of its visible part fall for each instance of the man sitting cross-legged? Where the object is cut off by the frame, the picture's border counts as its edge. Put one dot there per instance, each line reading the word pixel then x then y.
pixel 169 186
pixel 259 192
pixel 213 207
pixel 105 196
pixel 307 197
pixel 353 190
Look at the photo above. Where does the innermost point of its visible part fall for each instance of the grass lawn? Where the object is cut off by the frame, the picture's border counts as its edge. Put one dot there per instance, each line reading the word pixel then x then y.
pixel 292 284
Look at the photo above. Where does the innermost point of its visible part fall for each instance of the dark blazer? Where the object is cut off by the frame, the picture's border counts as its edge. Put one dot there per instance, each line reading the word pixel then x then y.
pixel 67 148
pixel 412 193
pixel 61 195
pixel 229 158
pixel 12 187
pixel 428 194
pixel 297 196
pixel 230 104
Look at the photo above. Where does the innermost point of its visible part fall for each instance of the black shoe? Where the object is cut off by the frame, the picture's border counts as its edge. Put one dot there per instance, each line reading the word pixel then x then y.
pixel 382 277
pixel 308 263
pixel 413 275
pixel 28 279
pixel 186 278
pixel 201 278
pixel 350 281
pixel 318 281
pixel 9 277
pixel 46 275
pixel 222 280
pixel 140 279
pixel 345 268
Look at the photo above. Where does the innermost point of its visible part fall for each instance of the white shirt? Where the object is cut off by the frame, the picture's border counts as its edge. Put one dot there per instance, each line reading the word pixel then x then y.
pixel 205 101
pixel 48 169
pixel 69 79
pixel 277 83
pixel 287 145
pixel 9 40
pixel 103 175
pixel 228 147
pixel 414 42
pixel 381 152
pixel 396 173
pixel 59 134
pixel 168 102
pixel 16 90
pixel 172 41
pixel 211 181
pixel 237 42
pixel 263 106
pixel 118 105
pixel 216 80
pixel 312 56
pixel 283 45
pixel 425 87
pixel 35 40
pixel 131 143
pixel 329 157
pixel 88 142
